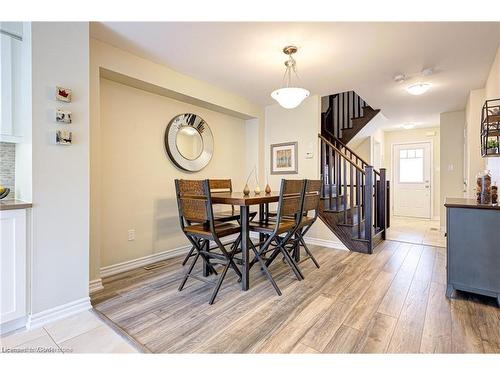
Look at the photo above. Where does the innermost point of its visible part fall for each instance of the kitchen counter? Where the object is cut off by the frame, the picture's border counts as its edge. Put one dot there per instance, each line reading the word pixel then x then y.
pixel 13 204
pixel 468 203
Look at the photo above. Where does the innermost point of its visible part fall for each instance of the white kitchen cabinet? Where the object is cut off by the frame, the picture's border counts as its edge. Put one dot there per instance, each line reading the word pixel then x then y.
pixel 13 87
pixel 13 269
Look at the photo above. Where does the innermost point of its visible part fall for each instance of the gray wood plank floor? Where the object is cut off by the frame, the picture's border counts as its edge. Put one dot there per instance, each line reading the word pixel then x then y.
pixel 392 301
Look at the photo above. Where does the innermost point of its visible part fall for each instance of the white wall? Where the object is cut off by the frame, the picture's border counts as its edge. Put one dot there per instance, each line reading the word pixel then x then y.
pixel 452 157
pixel 137 176
pixel 302 125
pixel 416 135
pixel 60 56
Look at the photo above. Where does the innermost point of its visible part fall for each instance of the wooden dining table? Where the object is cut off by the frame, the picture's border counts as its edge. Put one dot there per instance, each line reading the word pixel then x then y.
pixel 245 201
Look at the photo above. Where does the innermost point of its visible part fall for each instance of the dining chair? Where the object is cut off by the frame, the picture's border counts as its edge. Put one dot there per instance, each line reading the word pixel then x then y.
pixel 312 198
pixel 197 222
pixel 222 186
pixel 279 232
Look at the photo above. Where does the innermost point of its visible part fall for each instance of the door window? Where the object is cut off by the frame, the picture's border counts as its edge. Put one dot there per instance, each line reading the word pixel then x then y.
pixel 411 165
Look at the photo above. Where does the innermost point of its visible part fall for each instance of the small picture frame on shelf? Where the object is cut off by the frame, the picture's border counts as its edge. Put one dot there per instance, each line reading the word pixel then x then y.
pixel 63 116
pixel 63 94
pixel 64 137
pixel 284 158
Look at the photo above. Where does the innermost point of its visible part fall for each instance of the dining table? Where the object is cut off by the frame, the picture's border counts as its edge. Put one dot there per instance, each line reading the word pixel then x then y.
pixel 245 201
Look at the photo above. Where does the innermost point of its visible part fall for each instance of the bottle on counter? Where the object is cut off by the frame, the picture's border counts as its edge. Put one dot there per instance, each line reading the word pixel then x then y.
pixel 494 193
pixel 483 187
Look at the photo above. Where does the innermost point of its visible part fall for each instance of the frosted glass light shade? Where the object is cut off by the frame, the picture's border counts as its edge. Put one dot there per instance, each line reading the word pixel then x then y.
pixel 418 88
pixel 290 97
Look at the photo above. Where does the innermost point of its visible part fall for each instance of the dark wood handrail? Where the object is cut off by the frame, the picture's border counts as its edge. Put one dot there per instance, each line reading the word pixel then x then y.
pixel 341 154
pixel 364 163
pixel 351 151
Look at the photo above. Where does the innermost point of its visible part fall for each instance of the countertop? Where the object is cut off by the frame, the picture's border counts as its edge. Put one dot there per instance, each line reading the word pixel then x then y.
pixel 468 203
pixel 13 204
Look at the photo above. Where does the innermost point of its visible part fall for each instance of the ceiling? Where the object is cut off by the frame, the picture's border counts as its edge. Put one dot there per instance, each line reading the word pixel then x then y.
pixel 246 58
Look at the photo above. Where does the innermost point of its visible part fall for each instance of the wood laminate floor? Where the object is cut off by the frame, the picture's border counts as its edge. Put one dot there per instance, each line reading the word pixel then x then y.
pixel 392 301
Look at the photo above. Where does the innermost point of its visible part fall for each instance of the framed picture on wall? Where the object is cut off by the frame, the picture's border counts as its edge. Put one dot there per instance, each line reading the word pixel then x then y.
pixel 284 158
pixel 63 94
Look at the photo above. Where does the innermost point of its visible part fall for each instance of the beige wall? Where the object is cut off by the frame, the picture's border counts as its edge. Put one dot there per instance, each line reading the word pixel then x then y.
pixel 60 215
pixel 138 177
pixel 416 135
pixel 474 162
pixel 452 126
pixel 364 150
pixel 493 82
pixel 302 125
pixel 493 92
pixel 122 66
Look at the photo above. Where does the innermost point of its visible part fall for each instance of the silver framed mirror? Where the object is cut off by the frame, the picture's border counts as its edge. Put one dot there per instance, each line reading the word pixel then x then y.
pixel 189 142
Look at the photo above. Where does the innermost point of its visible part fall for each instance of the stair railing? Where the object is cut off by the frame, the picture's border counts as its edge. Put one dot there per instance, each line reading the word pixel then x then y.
pixel 342 108
pixel 359 195
pixel 348 152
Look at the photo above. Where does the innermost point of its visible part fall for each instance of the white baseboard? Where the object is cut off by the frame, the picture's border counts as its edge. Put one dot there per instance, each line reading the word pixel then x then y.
pixel 333 244
pixel 12 325
pixel 128 265
pixel 143 261
pixel 58 312
pixel 154 258
pixel 95 285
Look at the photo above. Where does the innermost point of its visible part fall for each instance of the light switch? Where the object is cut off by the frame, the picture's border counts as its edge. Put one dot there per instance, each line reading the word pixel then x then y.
pixel 450 167
pixel 309 155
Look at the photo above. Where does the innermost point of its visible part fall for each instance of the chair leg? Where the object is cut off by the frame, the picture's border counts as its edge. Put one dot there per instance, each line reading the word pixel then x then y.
pixel 188 256
pixel 309 252
pixel 219 283
pixel 272 257
pixel 264 268
pixel 291 263
pixel 229 258
pixel 188 272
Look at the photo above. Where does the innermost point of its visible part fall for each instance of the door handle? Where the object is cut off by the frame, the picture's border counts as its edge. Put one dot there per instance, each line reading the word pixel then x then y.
pixel 427 186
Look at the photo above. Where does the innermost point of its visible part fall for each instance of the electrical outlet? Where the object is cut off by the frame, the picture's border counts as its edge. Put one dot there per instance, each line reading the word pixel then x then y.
pixel 131 234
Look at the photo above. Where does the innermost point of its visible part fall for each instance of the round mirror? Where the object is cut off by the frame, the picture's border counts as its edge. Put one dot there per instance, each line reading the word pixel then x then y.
pixel 189 142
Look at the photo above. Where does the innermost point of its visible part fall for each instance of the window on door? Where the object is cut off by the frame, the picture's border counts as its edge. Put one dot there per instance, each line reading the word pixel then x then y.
pixel 411 165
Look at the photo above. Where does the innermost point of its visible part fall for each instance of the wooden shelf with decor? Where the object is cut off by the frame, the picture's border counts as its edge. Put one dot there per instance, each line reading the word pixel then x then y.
pixel 490 128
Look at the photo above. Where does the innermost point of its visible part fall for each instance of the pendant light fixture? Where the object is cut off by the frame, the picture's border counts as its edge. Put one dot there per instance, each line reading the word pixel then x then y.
pixel 289 96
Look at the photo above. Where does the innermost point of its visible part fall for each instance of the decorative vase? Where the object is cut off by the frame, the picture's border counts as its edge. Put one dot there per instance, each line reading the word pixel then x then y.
pixel 268 189
pixel 246 190
pixel 257 190
pixel 483 187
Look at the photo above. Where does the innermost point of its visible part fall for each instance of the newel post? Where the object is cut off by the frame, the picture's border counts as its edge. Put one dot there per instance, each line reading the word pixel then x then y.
pixel 368 202
pixel 382 202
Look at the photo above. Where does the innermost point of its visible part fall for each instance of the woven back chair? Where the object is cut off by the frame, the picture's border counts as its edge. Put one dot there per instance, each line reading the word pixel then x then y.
pixel 198 224
pixel 312 198
pixel 279 233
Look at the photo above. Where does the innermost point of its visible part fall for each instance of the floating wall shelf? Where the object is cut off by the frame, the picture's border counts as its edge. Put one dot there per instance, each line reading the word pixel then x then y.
pixel 490 128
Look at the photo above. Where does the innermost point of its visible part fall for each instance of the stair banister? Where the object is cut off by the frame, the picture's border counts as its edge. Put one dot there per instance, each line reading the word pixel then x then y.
pixel 382 212
pixel 368 203
pixel 340 152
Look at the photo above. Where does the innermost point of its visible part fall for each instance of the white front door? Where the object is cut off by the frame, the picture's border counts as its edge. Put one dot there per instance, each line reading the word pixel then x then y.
pixel 412 179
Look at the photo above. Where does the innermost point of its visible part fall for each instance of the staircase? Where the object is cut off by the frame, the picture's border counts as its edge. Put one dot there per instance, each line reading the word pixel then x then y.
pixel 346 115
pixel 355 196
